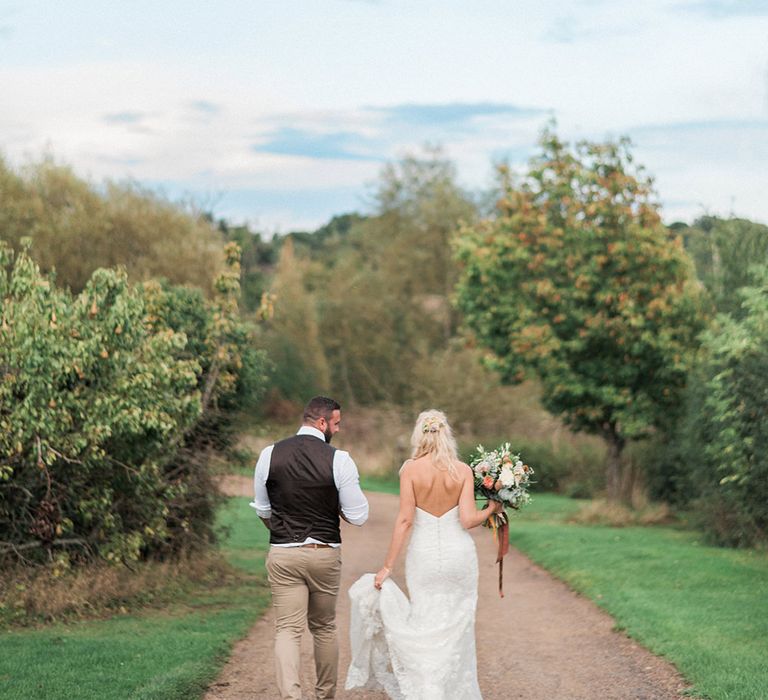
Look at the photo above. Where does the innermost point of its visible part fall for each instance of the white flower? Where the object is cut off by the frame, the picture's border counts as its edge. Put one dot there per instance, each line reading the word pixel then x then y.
pixel 507 476
pixel 481 468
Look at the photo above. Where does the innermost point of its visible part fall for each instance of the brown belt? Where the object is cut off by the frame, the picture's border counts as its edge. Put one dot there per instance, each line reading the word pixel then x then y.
pixel 314 545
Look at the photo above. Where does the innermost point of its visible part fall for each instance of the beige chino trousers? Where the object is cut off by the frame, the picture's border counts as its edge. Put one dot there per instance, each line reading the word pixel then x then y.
pixel 305 584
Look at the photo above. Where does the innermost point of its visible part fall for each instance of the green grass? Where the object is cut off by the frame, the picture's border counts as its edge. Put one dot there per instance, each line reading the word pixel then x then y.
pixel 384 484
pixel 163 655
pixel 703 608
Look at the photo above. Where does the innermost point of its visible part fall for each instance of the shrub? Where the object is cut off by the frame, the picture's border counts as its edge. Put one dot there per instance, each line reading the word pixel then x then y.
pixel 727 452
pixel 101 405
pixel 92 401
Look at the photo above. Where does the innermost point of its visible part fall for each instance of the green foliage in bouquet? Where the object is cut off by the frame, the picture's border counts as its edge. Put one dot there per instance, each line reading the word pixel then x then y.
pixel 500 475
pixel 577 281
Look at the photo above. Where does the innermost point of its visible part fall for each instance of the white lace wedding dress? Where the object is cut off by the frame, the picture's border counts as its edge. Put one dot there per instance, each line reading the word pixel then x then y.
pixel 422 649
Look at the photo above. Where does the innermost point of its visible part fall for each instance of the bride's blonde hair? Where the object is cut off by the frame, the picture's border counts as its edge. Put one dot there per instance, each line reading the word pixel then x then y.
pixel 432 435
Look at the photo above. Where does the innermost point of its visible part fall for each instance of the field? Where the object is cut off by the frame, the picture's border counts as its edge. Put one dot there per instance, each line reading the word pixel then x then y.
pixel 163 654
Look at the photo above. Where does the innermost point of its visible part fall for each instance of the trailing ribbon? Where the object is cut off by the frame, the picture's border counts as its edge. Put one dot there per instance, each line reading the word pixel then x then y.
pixel 501 536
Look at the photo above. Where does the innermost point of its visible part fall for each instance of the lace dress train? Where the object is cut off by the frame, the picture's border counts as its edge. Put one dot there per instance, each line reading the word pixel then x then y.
pixel 422 649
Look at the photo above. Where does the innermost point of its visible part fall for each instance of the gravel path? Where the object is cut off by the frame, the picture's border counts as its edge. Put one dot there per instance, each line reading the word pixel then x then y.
pixel 568 649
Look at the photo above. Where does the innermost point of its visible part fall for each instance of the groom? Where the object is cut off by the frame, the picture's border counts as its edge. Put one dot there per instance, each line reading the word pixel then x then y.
pixel 302 486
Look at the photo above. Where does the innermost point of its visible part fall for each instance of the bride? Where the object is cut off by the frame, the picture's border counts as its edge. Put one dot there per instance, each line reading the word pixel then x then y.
pixel 423 649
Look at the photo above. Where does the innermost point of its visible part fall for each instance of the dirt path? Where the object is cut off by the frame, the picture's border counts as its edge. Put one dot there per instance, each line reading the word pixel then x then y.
pixel 568 650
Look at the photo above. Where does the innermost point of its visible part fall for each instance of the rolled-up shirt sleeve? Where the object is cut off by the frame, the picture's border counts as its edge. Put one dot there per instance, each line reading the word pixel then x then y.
pixel 353 503
pixel 261 498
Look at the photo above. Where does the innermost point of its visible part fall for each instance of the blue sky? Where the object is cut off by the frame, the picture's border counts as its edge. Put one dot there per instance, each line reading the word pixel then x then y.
pixel 282 112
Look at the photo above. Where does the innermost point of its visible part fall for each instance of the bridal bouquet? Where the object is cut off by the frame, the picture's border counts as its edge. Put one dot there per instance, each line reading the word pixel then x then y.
pixel 500 475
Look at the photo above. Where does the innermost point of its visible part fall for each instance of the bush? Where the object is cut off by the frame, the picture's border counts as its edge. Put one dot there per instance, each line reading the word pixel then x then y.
pixel 101 407
pixel 727 451
pixel 92 401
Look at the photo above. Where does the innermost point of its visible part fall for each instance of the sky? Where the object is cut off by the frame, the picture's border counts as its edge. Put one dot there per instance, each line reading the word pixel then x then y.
pixel 282 113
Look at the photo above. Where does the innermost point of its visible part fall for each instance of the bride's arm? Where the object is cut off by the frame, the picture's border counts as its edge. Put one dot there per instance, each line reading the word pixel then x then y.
pixel 403 524
pixel 468 514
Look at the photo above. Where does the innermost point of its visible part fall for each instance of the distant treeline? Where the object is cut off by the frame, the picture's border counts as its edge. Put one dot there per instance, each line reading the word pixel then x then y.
pixel 370 308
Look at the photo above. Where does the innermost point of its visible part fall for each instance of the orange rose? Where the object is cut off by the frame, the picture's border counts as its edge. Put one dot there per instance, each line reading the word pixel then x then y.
pixel 488 482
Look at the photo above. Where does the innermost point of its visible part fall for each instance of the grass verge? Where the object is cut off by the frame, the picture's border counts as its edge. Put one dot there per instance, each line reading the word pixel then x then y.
pixel 703 608
pixel 162 655
pixel 381 483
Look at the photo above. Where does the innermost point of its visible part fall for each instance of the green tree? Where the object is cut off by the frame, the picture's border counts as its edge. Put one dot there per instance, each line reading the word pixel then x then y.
pixel 77 227
pixel 257 262
pixel 724 251
pixel 92 403
pixel 384 294
pixel 727 445
pixel 576 280
pixel 292 336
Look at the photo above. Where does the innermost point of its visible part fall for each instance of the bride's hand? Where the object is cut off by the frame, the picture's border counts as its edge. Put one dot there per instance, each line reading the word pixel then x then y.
pixel 494 507
pixel 381 576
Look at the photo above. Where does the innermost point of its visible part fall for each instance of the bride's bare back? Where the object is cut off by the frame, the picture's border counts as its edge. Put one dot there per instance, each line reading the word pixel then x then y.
pixel 434 489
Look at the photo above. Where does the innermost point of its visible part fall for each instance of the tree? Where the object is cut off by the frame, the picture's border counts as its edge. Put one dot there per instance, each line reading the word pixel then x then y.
pixel 576 280
pixel 724 252
pixel 292 336
pixel 384 295
pixel 92 405
pixel 420 207
pixel 257 261
pixel 77 227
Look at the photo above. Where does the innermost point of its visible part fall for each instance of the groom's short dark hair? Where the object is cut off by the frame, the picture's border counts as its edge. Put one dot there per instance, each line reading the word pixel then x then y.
pixel 320 407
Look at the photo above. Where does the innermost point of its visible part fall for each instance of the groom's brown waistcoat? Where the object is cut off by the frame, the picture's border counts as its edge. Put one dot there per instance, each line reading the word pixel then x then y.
pixel 302 492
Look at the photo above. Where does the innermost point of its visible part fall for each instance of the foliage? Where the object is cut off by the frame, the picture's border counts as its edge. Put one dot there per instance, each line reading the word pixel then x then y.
pixel 724 251
pixel 728 433
pixel 703 608
pixel 92 401
pixel 99 394
pixel 292 334
pixel 257 260
pixel 577 281
pixel 232 379
pixel 77 227
pixel 383 303
pixel 455 380
pixel 330 239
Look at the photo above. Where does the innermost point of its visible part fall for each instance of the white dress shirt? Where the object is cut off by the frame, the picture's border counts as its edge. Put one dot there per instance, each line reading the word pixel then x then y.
pixel 353 503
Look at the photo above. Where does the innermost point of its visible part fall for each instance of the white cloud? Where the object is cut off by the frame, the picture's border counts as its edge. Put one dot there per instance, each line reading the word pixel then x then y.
pixel 190 102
